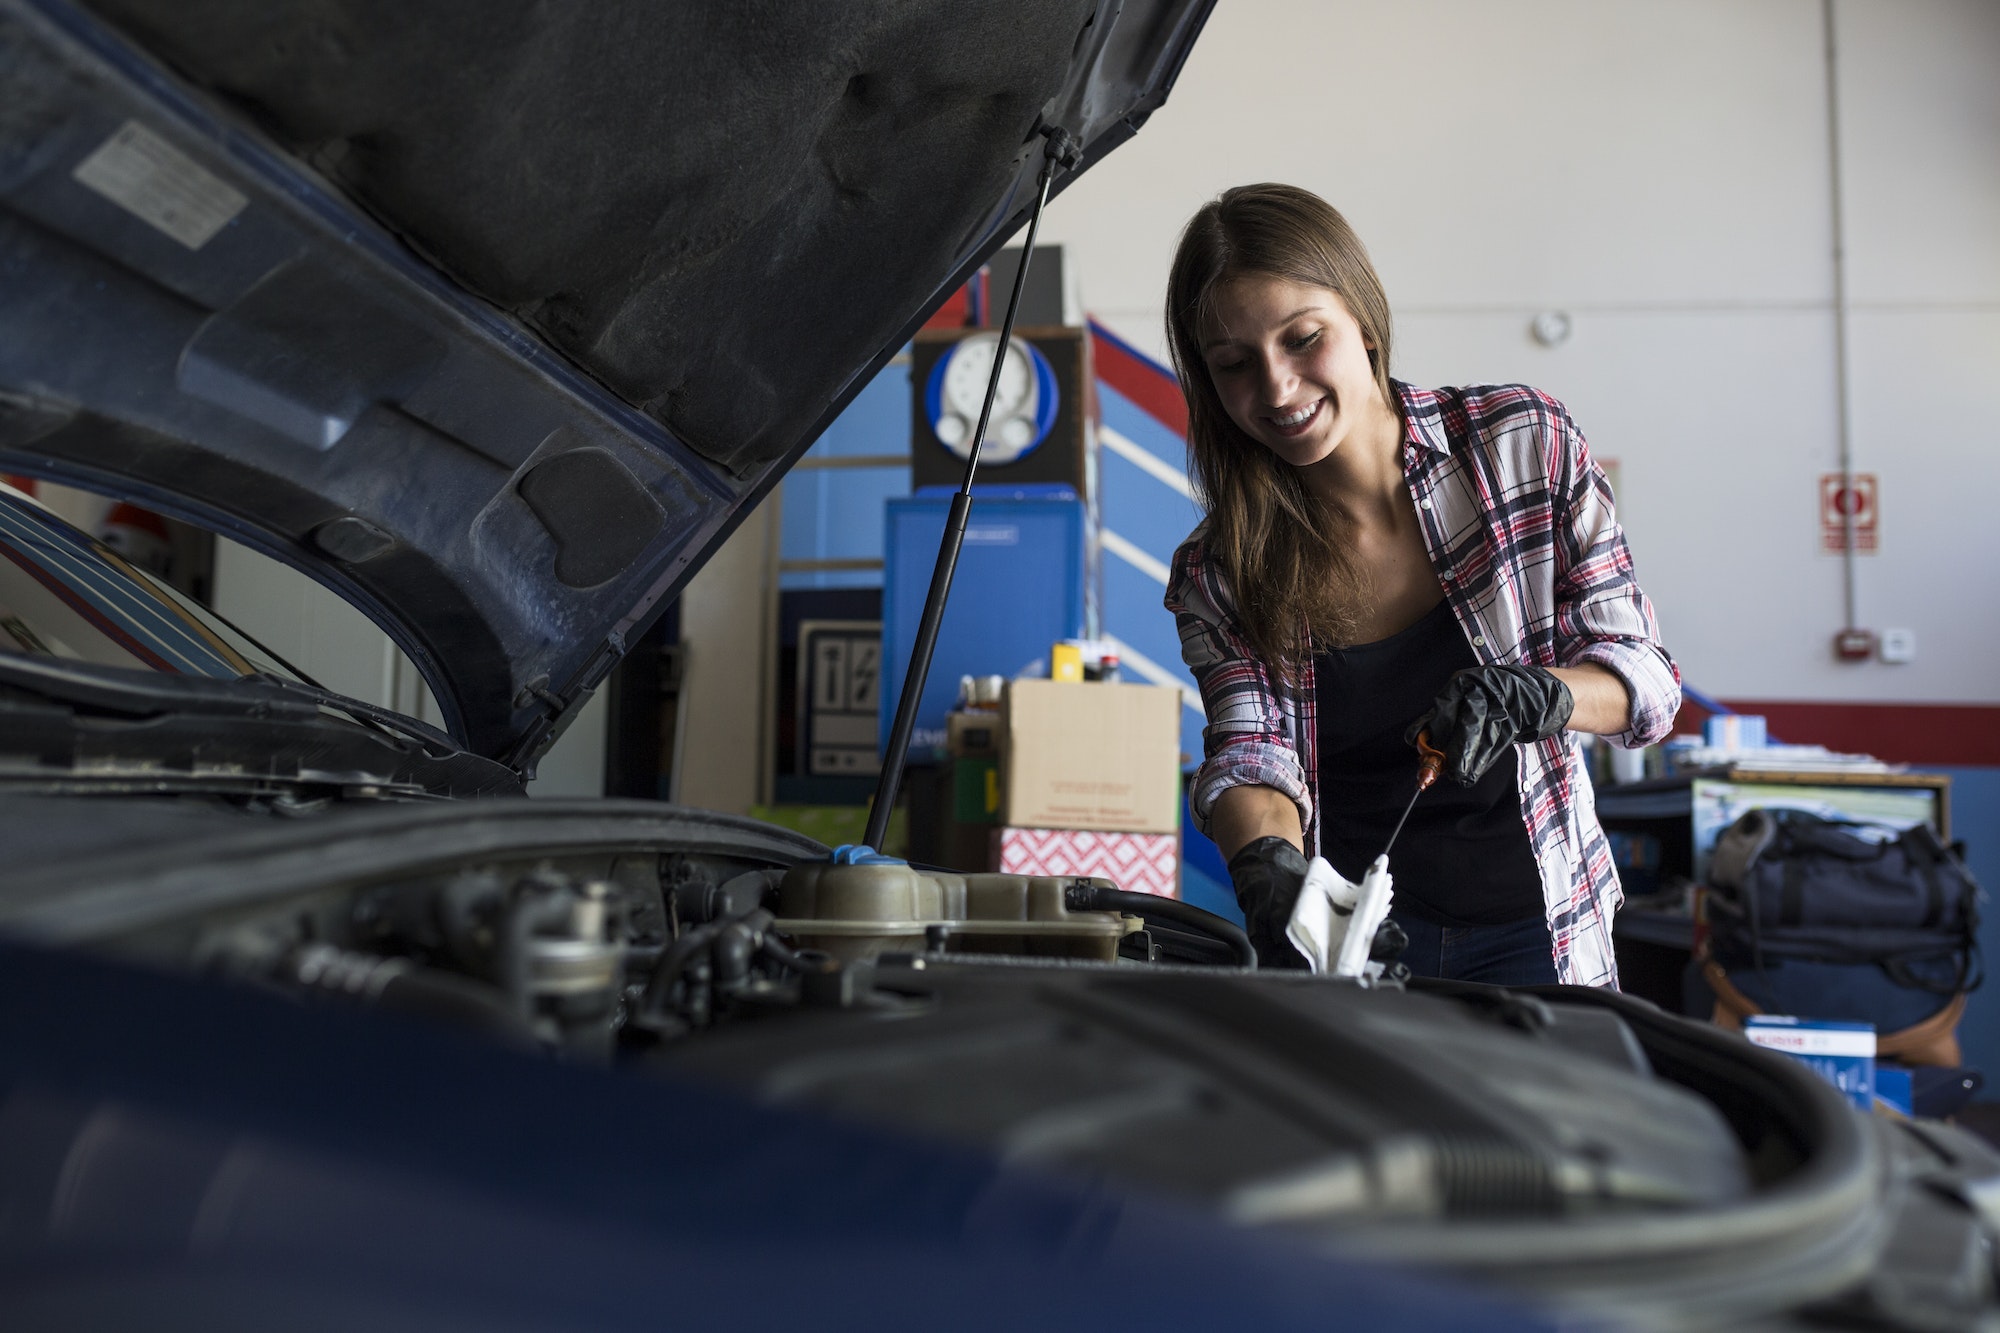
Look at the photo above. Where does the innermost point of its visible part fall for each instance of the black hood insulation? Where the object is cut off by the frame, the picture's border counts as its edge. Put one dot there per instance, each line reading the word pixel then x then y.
pixel 709 206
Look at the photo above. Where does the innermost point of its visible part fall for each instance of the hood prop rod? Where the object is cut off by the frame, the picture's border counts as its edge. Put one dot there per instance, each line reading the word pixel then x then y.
pixel 1059 152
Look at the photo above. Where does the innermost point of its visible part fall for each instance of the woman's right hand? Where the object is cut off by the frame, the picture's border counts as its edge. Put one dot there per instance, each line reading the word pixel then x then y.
pixel 1483 712
pixel 1268 874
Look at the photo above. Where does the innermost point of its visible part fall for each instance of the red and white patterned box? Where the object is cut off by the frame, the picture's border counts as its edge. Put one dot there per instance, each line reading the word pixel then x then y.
pixel 1136 862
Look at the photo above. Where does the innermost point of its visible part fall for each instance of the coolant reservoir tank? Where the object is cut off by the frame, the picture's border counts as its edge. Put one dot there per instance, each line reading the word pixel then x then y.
pixel 881 893
pixel 859 911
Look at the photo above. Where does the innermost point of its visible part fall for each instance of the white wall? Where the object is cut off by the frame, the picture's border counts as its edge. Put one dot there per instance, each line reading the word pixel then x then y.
pixel 321 635
pixel 1660 170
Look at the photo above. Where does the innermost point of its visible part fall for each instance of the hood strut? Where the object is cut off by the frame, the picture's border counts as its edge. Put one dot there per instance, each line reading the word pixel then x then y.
pixel 1059 152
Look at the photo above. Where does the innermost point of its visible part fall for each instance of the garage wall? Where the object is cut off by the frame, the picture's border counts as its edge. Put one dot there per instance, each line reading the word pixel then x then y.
pixel 314 630
pixel 727 625
pixel 1658 169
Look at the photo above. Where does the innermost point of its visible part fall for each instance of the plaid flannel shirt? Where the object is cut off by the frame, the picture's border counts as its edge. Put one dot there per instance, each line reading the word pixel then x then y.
pixel 1518 521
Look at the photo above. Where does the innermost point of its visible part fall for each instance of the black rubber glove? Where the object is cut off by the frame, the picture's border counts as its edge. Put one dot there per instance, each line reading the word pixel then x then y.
pixel 1485 711
pixel 1389 942
pixel 1268 875
pixel 1387 949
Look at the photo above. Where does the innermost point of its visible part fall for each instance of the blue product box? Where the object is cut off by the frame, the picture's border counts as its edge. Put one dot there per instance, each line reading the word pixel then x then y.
pixel 1841 1053
pixel 1894 1088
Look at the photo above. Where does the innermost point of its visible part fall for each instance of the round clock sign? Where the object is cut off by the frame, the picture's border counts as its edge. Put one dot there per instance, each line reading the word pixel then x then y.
pixel 1023 410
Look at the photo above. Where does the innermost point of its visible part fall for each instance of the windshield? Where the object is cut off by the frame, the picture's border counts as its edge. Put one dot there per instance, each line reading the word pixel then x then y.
pixel 64 594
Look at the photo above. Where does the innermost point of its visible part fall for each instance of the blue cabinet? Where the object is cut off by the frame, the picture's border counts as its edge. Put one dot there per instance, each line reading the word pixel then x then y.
pixel 1021 586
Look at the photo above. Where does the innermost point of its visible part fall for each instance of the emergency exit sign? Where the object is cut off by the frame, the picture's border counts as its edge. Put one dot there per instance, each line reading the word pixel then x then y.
pixel 1842 498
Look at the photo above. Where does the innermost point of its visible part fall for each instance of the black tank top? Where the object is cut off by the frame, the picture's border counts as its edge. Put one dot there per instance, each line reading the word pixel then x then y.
pixel 1464 857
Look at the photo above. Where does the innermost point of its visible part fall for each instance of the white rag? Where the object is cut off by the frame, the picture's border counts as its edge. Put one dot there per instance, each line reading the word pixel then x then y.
pixel 1335 919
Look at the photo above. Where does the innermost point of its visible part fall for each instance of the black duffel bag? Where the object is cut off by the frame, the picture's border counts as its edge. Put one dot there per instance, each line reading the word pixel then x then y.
pixel 1789 884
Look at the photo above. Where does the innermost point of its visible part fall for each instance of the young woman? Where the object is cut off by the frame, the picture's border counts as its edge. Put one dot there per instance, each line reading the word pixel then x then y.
pixel 1377 560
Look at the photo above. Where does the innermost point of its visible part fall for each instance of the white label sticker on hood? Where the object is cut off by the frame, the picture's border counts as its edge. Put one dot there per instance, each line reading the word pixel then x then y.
pixel 160 185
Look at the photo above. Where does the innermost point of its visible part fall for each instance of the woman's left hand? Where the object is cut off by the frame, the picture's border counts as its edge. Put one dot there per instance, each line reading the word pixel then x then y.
pixel 1484 711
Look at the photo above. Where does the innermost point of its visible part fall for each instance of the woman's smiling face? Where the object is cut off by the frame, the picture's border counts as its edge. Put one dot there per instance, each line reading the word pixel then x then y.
pixel 1291 366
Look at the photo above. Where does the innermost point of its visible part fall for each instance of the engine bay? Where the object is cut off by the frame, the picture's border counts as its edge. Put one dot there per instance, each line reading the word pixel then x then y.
pixel 995 1010
pixel 1571 1143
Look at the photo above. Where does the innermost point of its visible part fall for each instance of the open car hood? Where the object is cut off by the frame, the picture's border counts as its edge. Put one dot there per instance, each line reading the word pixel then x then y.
pixel 497 317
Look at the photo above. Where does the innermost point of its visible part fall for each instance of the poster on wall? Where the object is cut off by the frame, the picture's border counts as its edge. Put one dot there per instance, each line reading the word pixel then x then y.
pixel 840 685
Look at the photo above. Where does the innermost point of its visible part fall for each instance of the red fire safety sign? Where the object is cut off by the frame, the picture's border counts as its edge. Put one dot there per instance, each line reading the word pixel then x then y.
pixel 1841 498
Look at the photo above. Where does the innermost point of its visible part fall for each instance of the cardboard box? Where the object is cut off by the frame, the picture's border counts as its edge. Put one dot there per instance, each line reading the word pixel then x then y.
pixel 1091 756
pixel 1136 862
pixel 1841 1053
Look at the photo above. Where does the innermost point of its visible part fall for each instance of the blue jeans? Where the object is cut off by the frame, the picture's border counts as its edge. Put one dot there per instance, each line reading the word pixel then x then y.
pixel 1515 954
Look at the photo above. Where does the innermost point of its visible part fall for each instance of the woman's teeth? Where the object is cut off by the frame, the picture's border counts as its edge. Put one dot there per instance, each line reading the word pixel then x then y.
pixel 1300 417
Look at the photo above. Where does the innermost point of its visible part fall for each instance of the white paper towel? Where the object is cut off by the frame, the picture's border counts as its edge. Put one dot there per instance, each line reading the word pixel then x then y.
pixel 1333 908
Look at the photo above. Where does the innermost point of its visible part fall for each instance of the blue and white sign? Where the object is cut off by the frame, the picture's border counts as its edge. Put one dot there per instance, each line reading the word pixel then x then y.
pixel 1024 407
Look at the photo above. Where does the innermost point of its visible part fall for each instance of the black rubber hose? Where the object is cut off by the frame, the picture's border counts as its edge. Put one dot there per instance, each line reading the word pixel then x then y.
pixel 400 985
pixel 1087 897
pixel 668 970
pixel 793 960
pixel 1754 1089
pixel 735 947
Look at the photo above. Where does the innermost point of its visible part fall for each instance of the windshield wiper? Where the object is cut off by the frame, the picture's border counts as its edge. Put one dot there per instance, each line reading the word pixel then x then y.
pixel 145 694
pixel 437 744
pixel 128 692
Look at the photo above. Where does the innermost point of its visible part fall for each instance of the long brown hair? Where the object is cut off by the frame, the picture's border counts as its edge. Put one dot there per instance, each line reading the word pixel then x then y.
pixel 1282 551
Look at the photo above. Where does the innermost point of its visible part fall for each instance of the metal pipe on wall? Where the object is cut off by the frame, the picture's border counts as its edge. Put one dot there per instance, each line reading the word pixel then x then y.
pixel 1850 627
